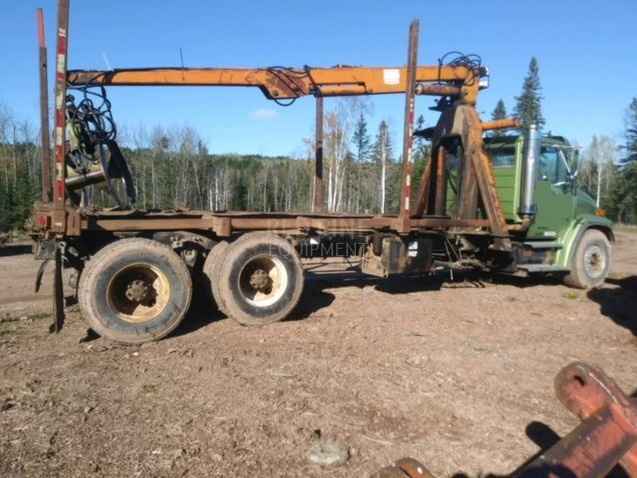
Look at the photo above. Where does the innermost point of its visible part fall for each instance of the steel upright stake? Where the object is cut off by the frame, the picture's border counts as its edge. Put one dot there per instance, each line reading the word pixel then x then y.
pixel 410 104
pixel 59 216
pixel 44 111
pixel 318 202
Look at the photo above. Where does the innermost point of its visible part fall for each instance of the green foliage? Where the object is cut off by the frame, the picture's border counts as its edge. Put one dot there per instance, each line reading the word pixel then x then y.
pixel 19 186
pixel 529 104
pixel 618 178
pixel 421 146
pixel 500 112
pixel 631 132
pixel 422 155
pixel 361 140
pixel 382 155
pixel 623 197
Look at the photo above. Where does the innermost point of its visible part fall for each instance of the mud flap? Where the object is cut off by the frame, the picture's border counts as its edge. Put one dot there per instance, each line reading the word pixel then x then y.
pixel 58 295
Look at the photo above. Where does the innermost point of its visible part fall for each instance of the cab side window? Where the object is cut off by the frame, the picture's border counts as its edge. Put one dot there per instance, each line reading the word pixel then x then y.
pixel 551 167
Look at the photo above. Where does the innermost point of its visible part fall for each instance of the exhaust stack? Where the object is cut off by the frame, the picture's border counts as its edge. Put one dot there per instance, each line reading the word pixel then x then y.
pixel 532 152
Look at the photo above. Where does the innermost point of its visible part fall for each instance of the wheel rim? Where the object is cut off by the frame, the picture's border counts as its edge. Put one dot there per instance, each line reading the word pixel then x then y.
pixel 594 262
pixel 263 280
pixel 138 293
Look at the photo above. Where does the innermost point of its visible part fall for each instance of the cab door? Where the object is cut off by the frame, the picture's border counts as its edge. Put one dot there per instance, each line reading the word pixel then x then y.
pixel 554 196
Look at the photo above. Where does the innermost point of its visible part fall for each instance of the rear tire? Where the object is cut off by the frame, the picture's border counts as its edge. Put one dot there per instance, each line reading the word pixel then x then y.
pixel 590 263
pixel 212 270
pixel 135 291
pixel 261 279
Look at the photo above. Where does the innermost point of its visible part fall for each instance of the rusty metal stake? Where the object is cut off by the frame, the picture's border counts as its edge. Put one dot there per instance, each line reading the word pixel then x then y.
pixel 44 110
pixel 410 105
pixel 58 293
pixel 318 201
pixel 440 203
pixel 59 191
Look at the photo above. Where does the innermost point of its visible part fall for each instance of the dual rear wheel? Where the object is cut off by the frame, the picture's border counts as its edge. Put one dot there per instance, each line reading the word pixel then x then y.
pixel 135 290
pixel 257 280
pixel 138 290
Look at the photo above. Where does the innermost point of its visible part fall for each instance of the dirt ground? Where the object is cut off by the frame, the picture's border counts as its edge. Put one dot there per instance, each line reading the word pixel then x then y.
pixel 456 374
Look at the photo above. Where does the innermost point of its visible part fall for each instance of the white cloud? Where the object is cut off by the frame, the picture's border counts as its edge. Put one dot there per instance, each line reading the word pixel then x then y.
pixel 263 114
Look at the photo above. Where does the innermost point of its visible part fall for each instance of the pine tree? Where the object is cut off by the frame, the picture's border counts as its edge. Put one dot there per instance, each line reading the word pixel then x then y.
pixel 631 132
pixel 421 147
pixel 361 140
pixel 624 194
pixel 529 103
pixel 422 155
pixel 500 112
pixel 362 149
pixel 382 156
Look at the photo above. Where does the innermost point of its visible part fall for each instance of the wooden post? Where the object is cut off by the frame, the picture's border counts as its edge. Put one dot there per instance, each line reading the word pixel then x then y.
pixel 318 200
pixel 410 103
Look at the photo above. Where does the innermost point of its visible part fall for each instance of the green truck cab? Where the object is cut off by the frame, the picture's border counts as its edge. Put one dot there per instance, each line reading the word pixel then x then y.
pixel 560 230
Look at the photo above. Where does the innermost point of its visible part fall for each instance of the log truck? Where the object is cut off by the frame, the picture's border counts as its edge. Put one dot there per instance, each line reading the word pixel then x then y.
pixel 504 205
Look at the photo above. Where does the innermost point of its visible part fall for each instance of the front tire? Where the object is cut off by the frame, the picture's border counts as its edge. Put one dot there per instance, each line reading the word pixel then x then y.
pixel 261 279
pixel 135 291
pixel 590 264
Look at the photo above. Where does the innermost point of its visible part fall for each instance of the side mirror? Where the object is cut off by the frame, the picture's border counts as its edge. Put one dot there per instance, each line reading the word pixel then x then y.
pixel 570 164
pixel 574 162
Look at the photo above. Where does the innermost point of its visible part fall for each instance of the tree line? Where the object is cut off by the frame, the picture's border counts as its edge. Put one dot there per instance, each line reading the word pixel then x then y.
pixel 362 171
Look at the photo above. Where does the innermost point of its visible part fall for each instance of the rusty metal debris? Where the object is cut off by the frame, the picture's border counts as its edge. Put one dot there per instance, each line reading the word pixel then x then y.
pixel 607 435
pixel 588 393
pixel 404 468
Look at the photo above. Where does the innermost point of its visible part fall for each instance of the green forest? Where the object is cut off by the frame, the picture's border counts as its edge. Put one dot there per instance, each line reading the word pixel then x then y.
pixel 173 168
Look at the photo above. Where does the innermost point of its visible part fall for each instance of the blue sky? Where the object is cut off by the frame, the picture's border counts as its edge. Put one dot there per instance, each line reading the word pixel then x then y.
pixel 586 51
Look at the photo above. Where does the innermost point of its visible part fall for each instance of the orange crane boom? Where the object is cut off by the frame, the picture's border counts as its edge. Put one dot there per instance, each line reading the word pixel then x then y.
pixel 280 83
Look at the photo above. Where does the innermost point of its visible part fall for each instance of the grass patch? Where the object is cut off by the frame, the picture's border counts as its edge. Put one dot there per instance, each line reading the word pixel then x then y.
pixel 571 295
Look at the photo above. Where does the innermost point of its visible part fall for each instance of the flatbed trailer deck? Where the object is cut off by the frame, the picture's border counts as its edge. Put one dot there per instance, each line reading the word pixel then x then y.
pixel 225 224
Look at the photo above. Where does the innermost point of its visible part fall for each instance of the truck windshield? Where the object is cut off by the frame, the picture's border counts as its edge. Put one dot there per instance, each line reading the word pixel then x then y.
pixel 503 157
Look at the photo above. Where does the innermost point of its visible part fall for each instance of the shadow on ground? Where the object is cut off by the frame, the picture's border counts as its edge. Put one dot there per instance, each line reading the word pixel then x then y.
pixel 618 303
pixel 316 295
pixel 544 437
pixel 392 285
pixel 15 250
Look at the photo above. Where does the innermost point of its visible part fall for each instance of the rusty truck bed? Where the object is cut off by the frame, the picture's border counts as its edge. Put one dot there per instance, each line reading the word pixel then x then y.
pixel 226 223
